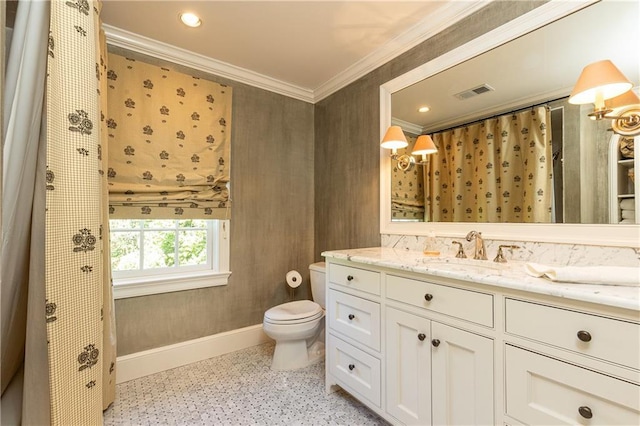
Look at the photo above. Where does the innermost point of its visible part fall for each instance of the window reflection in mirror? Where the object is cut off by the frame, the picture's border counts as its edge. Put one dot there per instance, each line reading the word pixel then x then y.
pixel 492 166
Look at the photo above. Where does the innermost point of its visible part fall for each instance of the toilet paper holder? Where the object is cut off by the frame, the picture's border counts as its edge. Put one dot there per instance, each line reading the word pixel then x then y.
pixel 293 279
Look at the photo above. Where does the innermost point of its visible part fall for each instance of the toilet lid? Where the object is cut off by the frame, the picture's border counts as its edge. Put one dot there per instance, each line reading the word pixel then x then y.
pixel 293 311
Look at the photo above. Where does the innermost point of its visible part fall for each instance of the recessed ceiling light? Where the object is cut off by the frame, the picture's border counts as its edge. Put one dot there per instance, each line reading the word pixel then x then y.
pixel 423 109
pixel 190 19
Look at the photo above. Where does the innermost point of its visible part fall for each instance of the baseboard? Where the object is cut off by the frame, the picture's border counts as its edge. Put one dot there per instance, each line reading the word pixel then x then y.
pixel 140 364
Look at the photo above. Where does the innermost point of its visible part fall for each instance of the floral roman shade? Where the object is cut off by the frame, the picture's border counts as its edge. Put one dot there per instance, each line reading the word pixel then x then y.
pixel 407 193
pixel 169 143
pixel 496 170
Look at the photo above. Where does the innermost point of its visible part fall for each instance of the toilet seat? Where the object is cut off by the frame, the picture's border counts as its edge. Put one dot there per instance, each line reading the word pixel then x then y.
pixel 294 312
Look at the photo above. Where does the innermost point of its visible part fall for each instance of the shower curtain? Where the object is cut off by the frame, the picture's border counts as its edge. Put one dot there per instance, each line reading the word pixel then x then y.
pixel 58 344
pixel 496 170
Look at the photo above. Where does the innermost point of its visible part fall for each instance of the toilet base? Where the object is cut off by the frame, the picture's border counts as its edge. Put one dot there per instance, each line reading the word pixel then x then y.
pixel 294 354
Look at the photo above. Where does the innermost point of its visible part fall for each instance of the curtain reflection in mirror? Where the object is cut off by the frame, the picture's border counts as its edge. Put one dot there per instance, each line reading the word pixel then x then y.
pixel 495 170
pixel 407 193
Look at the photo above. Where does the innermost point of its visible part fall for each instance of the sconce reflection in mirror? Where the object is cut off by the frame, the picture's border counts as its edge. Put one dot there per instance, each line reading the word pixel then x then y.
pixel 604 85
pixel 394 139
pixel 424 146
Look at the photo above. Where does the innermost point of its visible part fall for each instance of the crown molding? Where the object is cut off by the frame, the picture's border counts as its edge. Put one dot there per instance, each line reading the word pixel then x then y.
pixel 147 46
pixel 413 128
pixel 431 25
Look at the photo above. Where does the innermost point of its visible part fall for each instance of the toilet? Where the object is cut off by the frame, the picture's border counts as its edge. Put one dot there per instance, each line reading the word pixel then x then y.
pixel 298 327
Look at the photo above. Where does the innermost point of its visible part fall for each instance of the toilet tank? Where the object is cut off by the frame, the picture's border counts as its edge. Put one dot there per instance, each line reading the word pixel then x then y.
pixel 318 288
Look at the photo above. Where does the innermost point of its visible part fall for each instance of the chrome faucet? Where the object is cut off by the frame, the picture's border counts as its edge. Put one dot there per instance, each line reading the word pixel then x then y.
pixel 480 251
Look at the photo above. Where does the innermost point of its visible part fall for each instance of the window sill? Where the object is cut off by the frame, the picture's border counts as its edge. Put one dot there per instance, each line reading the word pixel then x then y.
pixel 133 287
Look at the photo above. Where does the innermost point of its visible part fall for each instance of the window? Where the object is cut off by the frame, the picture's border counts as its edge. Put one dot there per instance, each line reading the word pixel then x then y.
pixel 155 256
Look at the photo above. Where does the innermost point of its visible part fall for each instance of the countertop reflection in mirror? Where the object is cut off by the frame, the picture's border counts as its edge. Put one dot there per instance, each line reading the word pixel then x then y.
pixel 531 61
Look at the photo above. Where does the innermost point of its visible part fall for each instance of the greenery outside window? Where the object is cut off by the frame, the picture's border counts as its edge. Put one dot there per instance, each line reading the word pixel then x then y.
pixel 151 256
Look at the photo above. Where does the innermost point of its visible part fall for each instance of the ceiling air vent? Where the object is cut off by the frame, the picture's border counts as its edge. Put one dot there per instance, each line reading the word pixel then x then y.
pixel 484 88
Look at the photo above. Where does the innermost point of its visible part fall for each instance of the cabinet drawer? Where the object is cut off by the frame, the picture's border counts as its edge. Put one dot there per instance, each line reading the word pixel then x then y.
pixel 542 390
pixel 355 369
pixel 355 317
pixel 464 304
pixel 355 278
pixel 608 339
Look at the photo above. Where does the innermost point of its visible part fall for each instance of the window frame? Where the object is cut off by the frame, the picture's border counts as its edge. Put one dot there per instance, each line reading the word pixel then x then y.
pixel 163 280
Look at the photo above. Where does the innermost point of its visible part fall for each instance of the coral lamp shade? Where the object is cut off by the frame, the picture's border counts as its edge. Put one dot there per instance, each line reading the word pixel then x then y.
pixel 394 138
pixel 424 146
pixel 599 81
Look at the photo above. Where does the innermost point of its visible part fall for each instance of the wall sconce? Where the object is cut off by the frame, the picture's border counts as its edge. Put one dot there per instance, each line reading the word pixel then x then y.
pixel 602 81
pixel 424 146
pixel 394 140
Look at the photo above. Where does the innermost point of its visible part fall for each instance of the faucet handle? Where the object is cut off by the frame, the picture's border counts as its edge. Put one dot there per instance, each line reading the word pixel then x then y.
pixel 500 256
pixel 460 253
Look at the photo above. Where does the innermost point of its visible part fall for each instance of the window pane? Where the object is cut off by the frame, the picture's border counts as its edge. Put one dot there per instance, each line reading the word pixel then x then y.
pixel 159 224
pixel 192 248
pixel 159 249
pixel 125 251
pixel 124 224
pixel 192 223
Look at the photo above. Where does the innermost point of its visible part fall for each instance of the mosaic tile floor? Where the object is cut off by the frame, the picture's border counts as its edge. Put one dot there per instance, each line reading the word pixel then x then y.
pixel 236 389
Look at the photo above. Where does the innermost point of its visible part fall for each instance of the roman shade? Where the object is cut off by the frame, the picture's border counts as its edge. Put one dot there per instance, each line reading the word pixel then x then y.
pixel 169 143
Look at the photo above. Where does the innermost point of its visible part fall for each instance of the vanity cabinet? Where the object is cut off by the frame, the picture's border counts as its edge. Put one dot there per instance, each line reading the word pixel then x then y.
pixel 437 373
pixel 353 321
pixel 562 388
pixel 423 349
pixel 408 392
pixel 542 390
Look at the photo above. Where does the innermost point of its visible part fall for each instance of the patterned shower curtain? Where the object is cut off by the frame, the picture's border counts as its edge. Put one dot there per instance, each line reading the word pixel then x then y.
pixel 79 304
pixel 496 170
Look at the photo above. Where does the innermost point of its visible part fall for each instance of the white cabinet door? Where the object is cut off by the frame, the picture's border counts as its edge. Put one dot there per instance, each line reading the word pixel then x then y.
pixel 408 367
pixel 543 390
pixel 462 377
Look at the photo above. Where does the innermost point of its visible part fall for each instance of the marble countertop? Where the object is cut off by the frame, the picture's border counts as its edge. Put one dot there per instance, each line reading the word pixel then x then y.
pixel 507 275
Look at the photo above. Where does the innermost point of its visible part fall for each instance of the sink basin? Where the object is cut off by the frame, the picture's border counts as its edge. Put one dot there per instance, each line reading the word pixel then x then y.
pixel 466 265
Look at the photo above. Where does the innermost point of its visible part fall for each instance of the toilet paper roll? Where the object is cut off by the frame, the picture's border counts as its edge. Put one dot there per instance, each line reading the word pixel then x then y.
pixel 294 279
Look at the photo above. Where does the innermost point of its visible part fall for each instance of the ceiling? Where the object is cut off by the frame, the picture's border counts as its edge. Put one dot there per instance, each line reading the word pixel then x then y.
pixel 308 48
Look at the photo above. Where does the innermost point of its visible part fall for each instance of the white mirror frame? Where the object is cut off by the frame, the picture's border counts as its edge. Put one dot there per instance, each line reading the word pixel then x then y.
pixel 590 234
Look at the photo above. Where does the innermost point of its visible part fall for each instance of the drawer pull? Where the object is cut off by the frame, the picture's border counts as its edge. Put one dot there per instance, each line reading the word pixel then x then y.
pixel 585 412
pixel 435 342
pixel 351 316
pixel 585 336
pixel 422 336
pixel 351 367
pixel 428 297
pixel 349 277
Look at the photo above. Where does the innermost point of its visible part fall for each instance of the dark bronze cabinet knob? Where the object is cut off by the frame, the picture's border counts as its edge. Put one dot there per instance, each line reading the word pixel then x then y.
pixel 351 367
pixel 349 277
pixel 585 336
pixel 422 336
pixel 428 297
pixel 435 342
pixel 351 316
pixel 585 412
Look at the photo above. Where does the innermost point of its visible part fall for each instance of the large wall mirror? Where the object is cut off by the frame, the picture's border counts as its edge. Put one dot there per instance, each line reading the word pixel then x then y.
pixel 528 64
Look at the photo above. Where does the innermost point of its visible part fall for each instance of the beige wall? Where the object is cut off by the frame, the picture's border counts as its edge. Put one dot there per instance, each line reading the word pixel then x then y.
pixel 347 170
pixel 271 228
